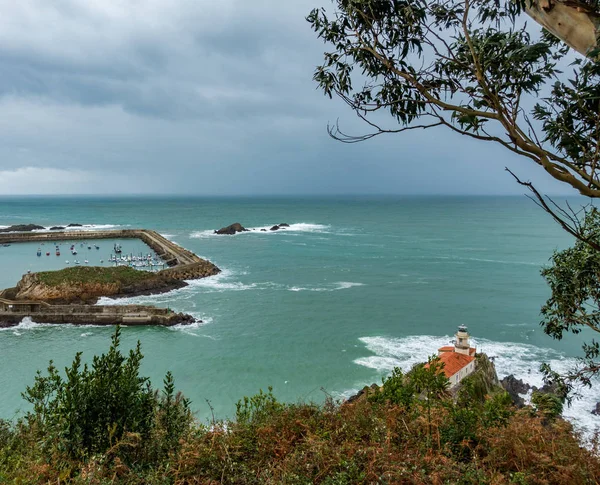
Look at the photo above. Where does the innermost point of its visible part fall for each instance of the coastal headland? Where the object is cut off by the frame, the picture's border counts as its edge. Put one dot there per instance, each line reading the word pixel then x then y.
pixel 69 295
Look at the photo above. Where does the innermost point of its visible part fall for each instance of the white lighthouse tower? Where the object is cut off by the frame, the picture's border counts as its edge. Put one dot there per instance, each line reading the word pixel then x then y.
pixel 462 344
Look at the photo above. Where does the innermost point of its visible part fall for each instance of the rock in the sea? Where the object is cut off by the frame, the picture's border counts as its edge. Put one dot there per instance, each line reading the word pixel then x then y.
pixel 514 387
pixel 232 229
pixel 22 228
pixel 596 410
pixel 57 228
pixel 75 225
pixel 263 230
pixel 274 228
pixel 283 224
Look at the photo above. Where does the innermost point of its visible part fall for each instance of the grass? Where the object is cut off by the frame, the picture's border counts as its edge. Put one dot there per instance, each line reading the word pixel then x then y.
pixel 123 274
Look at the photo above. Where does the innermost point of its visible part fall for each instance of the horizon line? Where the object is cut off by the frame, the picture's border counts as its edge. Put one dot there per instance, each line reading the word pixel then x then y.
pixel 290 195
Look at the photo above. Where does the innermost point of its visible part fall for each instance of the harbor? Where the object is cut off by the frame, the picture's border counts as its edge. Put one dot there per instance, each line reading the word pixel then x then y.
pixel 55 255
pixel 64 294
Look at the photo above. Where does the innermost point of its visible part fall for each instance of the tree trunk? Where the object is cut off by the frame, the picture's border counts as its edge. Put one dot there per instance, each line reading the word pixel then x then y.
pixel 574 23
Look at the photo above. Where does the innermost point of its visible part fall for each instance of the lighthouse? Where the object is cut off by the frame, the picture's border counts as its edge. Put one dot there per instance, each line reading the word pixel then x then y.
pixel 458 359
pixel 462 344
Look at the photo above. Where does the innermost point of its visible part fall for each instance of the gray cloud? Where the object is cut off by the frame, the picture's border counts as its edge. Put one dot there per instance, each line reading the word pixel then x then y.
pixel 200 97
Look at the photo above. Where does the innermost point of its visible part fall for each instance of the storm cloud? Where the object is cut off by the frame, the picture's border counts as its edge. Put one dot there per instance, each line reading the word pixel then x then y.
pixel 199 97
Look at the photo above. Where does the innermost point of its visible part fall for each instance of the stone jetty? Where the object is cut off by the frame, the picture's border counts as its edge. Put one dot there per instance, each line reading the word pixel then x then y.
pixel 12 313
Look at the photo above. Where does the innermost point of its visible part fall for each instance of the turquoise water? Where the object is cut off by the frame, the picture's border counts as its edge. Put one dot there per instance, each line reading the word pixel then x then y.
pixel 353 288
pixel 19 258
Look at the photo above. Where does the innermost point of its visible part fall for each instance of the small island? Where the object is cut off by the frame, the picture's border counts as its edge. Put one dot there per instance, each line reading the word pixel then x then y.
pixel 70 295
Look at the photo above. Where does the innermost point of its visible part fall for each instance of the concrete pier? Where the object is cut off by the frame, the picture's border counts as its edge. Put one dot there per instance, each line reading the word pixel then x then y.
pixel 12 313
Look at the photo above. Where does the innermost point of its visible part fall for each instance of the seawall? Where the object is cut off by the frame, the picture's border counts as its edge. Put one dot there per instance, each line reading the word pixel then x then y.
pixel 13 312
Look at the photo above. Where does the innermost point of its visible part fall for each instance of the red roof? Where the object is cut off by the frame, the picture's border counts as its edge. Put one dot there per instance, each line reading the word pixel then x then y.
pixel 451 348
pixel 454 362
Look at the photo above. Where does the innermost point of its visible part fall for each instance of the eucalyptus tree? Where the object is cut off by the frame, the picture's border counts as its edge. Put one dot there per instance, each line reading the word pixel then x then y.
pixel 482 69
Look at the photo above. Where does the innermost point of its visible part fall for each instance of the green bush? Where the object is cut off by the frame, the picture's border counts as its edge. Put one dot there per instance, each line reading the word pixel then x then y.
pixel 95 407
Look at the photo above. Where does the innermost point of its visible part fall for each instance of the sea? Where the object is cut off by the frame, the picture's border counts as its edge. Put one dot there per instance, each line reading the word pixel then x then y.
pixel 353 288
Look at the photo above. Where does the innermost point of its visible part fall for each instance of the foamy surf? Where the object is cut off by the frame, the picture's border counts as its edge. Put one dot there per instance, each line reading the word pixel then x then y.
pixel 340 285
pixel 83 227
pixel 193 328
pixel 521 360
pixel 27 325
pixel 298 227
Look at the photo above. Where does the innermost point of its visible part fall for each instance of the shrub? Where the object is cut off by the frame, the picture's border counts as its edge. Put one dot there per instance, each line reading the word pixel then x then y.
pixel 95 407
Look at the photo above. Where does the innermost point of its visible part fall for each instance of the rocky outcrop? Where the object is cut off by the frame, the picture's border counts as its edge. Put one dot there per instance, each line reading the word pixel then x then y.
pixel 57 228
pixel 75 225
pixel 596 410
pixel 22 228
pixel 283 225
pixel 232 229
pixel 31 288
pixel 363 393
pixel 515 387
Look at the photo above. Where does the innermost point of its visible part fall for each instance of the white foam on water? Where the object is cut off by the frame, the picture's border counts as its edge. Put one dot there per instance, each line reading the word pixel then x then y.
pixel 521 360
pixel 25 324
pixel 298 227
pixel 220 283
pixel 87 334
pixel 83 227
pixel 224 281
pixel 340 285
pixel 192 328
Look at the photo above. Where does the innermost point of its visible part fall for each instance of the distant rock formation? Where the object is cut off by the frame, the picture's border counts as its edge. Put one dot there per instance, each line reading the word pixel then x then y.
pixel 232 229
pixel 22 228
pixel 57 228
pixel 283 225
pixel 75 225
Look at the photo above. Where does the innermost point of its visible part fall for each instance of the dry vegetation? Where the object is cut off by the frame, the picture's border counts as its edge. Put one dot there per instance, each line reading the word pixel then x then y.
pixel 392 436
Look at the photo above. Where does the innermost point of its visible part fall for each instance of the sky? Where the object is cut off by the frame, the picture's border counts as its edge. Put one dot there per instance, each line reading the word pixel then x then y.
pixel 207 98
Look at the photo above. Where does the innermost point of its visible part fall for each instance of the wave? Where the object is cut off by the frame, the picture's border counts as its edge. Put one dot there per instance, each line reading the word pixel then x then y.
pixel 192 328
pixel 520 360
pixel 340 285
pixel 27 324
pixel 298 227
pixel 83 227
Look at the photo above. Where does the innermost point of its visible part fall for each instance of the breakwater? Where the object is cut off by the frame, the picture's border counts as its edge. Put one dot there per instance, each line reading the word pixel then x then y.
pixel 12 313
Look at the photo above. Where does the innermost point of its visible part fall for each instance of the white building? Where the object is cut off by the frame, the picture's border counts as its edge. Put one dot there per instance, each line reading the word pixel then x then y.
pixel 458 359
